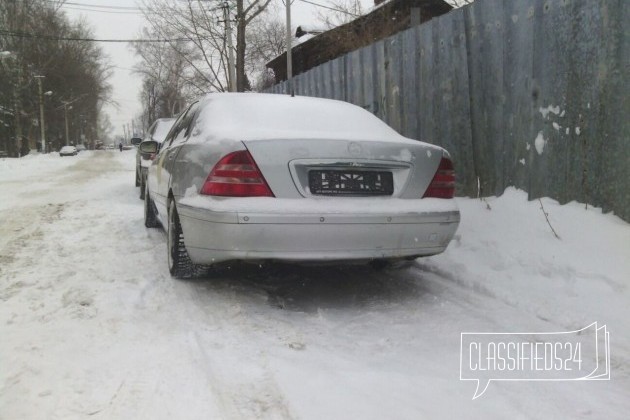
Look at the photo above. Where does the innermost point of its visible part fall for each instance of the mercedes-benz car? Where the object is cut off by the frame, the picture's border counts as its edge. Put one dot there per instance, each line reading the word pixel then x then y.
pixel 255 177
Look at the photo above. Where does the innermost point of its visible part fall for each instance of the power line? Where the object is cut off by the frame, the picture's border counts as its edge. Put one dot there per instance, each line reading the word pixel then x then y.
pixel 57 38
pixel 96 6
pixel 131 10
pixel 138 10
pixel 330 8
pixel 105 11
pixel 99 6
pixel 126 10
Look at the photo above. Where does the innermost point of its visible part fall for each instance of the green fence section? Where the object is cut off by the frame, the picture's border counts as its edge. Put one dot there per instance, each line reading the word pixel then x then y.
pixel 527 93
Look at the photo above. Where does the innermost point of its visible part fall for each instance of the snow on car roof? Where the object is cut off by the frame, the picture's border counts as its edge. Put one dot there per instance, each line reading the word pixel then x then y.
pixel 258 116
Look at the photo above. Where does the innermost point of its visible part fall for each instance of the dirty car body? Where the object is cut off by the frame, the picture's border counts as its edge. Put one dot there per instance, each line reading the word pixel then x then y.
pixel 272 177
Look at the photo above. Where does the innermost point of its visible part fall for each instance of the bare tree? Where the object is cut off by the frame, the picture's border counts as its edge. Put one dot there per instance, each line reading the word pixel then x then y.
pixel 201 24
pixel 167 78
pixel 266 40
pixel 346 11
pixel 246 12
pixel 32 32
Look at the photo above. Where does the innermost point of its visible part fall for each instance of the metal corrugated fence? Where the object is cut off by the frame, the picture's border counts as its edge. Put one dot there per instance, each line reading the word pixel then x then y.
pixel 527 93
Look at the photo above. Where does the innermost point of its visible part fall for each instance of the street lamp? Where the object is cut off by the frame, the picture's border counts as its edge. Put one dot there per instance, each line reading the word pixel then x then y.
pixel 66 108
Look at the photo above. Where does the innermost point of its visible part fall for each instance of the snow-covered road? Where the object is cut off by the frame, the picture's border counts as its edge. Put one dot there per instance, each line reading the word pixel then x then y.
pixel 92 325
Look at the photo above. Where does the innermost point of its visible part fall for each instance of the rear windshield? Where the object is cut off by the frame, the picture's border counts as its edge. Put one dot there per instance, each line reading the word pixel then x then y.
pixel 275 116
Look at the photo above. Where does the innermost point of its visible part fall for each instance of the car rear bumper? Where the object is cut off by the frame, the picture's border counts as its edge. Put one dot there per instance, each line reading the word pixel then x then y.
pixel 335 231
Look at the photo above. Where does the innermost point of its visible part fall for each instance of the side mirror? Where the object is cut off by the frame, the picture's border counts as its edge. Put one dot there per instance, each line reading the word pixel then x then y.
pixel 136 141
pixel 149 146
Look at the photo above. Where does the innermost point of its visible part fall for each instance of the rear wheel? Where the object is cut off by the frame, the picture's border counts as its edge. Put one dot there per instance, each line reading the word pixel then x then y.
pixel 150 215
pixel 179 263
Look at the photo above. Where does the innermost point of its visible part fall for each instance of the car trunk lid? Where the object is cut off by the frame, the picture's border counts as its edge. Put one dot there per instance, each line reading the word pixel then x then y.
pixel 296 168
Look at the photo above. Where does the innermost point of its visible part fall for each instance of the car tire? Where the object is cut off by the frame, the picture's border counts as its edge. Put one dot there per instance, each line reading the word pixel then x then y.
pixel 150 215
pixel 142 187
pixel 137 178
pixel 179 263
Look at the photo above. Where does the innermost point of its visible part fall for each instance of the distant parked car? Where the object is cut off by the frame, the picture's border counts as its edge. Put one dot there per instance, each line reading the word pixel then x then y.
pixel 274 177
pixel 68 151
pixel 156 133
pixel 81 148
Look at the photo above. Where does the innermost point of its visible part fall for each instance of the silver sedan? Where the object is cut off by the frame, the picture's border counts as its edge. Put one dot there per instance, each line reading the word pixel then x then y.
pixel 271 177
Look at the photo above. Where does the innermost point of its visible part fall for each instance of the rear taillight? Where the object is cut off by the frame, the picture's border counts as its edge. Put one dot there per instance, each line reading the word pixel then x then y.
pixel 443 183
pixel 236 175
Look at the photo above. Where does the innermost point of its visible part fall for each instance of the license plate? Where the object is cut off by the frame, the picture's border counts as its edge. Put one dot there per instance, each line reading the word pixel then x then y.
pixel 335 182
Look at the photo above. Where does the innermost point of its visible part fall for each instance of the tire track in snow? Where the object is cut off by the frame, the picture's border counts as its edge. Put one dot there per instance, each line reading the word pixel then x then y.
pixel 26 230
pixel 22 234
pixel 219 339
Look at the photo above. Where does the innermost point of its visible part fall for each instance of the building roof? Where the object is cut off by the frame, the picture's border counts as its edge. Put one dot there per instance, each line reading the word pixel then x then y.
pixel 385 20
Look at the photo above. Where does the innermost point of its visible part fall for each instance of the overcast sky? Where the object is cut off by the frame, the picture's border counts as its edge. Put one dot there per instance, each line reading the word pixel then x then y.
pixel 120 24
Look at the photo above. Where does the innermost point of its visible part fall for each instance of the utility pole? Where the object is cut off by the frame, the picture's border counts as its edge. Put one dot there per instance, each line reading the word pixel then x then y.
pixel 41 112
pixel 67 107
pixel 230 45
pixel 289 51
pixel 65 112
pixel 18 122
pixel 82 122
